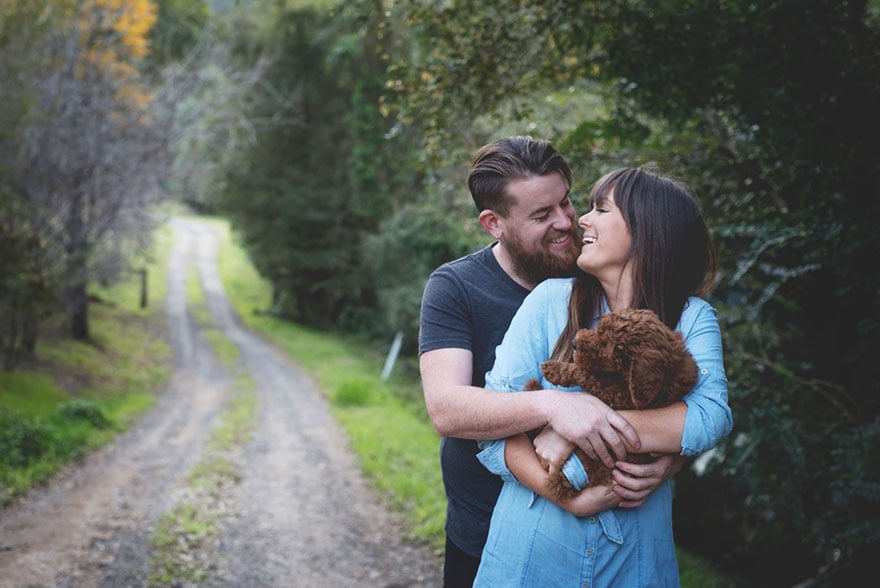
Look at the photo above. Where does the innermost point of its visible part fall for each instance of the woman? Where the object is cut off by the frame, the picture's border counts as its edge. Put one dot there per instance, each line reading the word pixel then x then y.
pixel 645 245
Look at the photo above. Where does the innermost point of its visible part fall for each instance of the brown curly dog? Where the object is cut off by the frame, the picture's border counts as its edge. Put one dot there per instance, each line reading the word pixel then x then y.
pixel 631 360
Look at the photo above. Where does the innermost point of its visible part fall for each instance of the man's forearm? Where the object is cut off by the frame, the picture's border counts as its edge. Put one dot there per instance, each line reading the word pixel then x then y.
pixel 469 412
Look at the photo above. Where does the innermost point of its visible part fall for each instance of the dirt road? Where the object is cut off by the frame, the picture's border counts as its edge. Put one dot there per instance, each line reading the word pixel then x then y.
pixel 301 514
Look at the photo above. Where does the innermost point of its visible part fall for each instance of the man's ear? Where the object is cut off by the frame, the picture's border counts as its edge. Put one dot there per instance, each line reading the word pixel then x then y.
pixel 491 221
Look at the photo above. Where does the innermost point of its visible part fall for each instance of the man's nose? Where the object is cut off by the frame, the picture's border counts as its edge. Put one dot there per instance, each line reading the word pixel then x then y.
pixel 562 221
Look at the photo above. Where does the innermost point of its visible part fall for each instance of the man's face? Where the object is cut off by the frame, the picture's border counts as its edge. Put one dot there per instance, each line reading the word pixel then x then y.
pixel 540 232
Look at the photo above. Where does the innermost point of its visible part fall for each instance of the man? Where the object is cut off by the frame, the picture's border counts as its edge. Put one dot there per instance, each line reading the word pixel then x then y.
pixel 521 188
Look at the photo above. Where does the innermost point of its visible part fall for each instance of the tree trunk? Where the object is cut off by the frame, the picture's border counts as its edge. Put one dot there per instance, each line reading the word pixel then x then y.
pixel 19 341
pixel 77 304
pixel 29 329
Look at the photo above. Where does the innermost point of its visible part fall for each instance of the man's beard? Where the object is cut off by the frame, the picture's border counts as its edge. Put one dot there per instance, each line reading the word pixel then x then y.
pixel 537 266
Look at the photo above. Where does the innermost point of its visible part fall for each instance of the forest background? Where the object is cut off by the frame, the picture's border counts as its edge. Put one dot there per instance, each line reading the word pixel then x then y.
pixel 335 136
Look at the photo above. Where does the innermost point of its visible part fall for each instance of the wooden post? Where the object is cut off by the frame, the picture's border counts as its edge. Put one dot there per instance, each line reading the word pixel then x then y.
pixel 143 273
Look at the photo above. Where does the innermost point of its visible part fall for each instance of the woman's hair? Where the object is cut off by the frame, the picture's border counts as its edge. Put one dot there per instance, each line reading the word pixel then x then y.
pixel 672 255
pixel 511 158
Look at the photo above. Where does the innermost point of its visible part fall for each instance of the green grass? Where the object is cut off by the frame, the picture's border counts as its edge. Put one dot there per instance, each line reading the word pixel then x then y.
pixel 190 527
pixel 30 393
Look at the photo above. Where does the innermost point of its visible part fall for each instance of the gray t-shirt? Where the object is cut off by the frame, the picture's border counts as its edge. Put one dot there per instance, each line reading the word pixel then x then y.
pixel 468 304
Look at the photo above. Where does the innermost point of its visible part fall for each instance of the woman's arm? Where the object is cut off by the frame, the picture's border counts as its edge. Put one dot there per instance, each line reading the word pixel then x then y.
pixel 634 482
pixel 660 429
pixel 526 466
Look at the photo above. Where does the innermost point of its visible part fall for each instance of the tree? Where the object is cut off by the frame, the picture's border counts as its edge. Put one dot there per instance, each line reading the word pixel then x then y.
pixel 179 26
pixel 325 168
pixel 85 148
pixel 766 109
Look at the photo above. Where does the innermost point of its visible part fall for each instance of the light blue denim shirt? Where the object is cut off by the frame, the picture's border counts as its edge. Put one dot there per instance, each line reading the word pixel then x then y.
pixel 533 542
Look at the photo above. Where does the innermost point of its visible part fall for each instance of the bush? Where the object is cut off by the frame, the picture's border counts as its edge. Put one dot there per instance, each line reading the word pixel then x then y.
pixel 22 440
pixel 85 410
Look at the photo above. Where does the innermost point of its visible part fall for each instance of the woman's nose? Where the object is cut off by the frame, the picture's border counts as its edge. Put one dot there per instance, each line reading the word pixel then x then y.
pixel 584 220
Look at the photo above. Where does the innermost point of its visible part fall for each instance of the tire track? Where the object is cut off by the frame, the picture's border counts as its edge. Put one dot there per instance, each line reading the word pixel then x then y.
pixel 305 514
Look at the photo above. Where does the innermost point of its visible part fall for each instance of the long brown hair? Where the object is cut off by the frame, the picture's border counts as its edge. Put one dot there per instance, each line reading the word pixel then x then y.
pixel 672 255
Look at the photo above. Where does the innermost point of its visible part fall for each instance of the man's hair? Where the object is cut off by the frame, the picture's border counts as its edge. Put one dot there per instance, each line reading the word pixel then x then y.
pixel 511 158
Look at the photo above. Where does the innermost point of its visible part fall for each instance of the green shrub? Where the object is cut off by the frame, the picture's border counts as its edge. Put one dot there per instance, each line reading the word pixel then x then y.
pixel 353 393
pixel 22 440
pixel 78 409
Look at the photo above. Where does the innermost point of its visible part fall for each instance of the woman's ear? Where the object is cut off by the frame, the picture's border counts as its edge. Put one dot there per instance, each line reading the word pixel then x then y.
pixel 491 221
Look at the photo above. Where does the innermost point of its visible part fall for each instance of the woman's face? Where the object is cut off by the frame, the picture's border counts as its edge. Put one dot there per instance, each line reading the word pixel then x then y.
pixel 606 242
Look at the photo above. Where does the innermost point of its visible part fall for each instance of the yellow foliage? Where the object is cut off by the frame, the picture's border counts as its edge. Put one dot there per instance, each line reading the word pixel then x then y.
pixel 131 20
pixel 116 34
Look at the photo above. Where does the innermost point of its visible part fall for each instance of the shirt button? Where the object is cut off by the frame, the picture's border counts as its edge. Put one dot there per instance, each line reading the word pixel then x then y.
pixel 589 552
pixel 592 520
pixel 704 371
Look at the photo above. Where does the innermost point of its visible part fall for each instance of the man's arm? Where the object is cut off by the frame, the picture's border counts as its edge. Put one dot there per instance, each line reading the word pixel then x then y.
pixel 659 429
pixel 458 409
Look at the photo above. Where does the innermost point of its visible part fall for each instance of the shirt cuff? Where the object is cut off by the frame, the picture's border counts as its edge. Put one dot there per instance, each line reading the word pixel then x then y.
pixel 574 471
pixel 492 458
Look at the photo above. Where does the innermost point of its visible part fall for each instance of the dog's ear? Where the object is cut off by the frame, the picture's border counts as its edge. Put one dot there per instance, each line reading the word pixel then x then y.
pixel 585 347
pixel 646 376
pixel 605 350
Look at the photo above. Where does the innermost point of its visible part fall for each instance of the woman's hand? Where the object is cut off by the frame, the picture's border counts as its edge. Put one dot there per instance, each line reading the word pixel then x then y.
pixel 591 500
pixel 553 449
pixel 635 482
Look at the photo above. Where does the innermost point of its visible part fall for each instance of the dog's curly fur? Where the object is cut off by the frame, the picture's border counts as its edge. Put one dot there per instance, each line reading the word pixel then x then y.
pixel 631 360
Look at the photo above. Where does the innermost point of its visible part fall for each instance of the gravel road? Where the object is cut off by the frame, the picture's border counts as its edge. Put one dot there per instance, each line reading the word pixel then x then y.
pixel 301 515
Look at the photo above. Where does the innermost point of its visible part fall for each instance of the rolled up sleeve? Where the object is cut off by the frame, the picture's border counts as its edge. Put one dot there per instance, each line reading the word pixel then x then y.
pixel 709 417
pixel 491 455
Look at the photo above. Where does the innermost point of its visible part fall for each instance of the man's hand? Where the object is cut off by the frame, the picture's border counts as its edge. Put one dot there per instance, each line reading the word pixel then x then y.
pixel 593 426
pixel 635 482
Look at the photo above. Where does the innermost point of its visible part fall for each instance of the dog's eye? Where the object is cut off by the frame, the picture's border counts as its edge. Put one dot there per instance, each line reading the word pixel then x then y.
pixel 574 343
